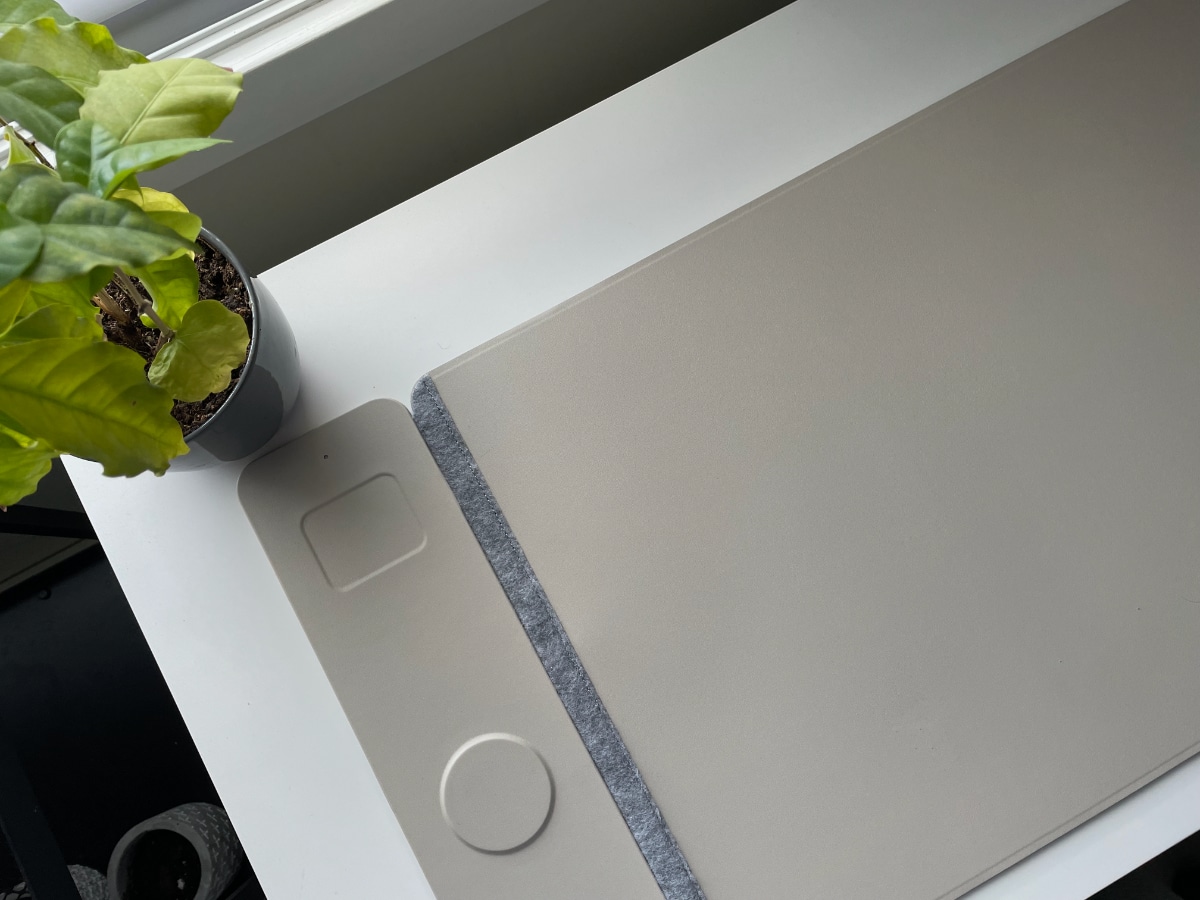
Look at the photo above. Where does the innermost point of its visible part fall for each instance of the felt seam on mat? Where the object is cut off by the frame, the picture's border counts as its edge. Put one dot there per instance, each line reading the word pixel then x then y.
pixel 545 632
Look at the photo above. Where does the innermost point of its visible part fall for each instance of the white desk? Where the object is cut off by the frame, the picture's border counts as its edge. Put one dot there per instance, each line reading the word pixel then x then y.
pixel 464 262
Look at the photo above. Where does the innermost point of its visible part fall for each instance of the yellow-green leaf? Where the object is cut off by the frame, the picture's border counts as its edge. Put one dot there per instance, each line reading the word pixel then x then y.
pixel 18 150
pixel 12 298
pixel 75 293
pixel 20 12
pixel 55 321
pixel 163 100
pixel 149 199
pixel 208 345
pixel 174 286
pixel 76 54
pixel 186 225
pixel 88 154
pixel 91 400
pixel 23 463
pixel 165 209
pixel 35 98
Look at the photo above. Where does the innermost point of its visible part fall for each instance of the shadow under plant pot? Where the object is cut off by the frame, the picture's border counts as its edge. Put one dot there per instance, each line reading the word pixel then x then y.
pixel 265 388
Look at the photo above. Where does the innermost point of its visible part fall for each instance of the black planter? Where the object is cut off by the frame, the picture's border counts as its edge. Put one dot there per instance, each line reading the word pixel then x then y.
pixel 263 395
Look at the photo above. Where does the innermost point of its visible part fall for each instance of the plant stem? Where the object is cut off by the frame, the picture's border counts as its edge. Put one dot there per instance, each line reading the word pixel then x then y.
pixel 106 302
pixel 145 305
pixel 32 145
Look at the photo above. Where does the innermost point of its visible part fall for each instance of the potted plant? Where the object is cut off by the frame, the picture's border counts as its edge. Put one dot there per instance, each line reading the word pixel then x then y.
pixel 128 335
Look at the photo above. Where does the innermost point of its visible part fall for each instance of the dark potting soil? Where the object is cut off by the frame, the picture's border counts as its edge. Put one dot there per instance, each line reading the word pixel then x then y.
pixel 219 280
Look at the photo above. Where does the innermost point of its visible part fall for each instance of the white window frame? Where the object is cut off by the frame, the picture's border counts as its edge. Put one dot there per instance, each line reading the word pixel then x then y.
pixel 304 58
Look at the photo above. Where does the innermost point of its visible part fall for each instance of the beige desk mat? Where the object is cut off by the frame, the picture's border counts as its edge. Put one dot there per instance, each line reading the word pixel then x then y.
pixel 873 510
pixel 481 764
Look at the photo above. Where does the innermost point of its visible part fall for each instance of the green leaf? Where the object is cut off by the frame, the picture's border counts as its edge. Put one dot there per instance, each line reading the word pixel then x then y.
pixel 88 154
pixel 165 209
pixel 79 232
pixel 163 100
pixel 21 12
pixel 13 176
pixel 18 150
pixel 7 421
pixel 56 321
pixel 174 286
pixel 91 400
pixel 76 53
pixel 20 243
pixel 36 99
pixel 23 463
pixel 208 345
pixel 186 225
pixel 75 294
pixel 12 298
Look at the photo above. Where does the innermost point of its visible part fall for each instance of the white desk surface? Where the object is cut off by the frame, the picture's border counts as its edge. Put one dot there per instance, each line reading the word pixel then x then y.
pixel 458 265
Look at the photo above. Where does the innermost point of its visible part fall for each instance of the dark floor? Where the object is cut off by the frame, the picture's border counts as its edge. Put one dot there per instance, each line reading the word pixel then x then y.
pixel 83 701
pixel 1172 875
pixel 88 715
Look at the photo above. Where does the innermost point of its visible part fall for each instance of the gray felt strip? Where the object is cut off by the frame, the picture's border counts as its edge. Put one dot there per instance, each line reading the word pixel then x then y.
pixel 552 645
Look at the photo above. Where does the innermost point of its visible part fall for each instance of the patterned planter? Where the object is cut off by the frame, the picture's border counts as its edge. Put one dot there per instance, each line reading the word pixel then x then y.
pixel 190 852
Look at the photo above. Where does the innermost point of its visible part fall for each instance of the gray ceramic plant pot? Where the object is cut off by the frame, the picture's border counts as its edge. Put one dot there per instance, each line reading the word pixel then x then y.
pixel 265 392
